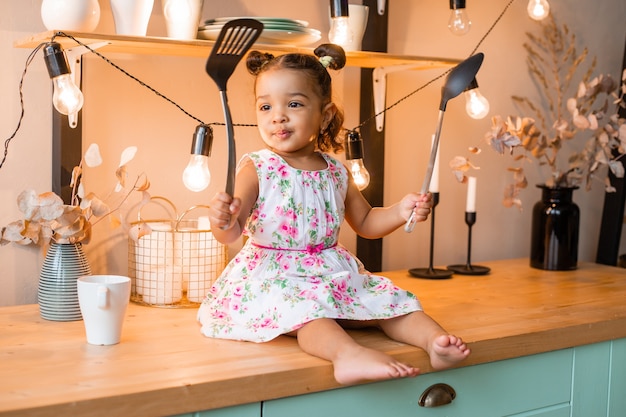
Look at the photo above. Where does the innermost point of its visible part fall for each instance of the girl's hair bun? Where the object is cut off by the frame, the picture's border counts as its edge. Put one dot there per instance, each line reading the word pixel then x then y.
pixel 257 60
pixel 333 51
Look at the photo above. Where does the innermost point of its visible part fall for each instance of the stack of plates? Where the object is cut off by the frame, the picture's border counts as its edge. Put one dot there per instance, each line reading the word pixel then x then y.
pixel 276 30
pixel 57 294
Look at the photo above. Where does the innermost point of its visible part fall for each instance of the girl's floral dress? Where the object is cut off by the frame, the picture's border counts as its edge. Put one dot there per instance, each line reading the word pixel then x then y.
pixel 291 270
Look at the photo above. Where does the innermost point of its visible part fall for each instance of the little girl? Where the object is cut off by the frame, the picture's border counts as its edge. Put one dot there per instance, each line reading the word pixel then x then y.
pixel 292 277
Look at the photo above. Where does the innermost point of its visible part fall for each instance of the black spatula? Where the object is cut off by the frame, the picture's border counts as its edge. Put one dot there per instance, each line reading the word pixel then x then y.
pixel 458 79
pixel 234 40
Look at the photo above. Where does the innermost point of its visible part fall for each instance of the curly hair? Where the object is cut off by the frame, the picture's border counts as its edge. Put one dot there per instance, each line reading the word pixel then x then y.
pixel 315 67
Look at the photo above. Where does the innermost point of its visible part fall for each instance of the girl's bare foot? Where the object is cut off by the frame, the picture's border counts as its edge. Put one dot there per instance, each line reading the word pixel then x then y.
pixel 363 364
pixel 447 350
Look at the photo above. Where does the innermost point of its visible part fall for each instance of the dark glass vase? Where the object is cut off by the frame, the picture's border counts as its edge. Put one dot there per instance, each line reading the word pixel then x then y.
pixel 555 226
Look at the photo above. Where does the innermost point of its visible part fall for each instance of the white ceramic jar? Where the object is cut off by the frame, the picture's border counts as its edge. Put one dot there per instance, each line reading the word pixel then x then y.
pixel 73 15
pixel 131 17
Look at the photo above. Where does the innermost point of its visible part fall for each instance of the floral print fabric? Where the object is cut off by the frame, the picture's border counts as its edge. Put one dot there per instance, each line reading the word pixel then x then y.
pixel 291 269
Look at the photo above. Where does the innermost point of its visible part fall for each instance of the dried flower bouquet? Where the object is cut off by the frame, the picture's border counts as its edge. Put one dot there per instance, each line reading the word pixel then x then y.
pixel 561 119
pixel 47 218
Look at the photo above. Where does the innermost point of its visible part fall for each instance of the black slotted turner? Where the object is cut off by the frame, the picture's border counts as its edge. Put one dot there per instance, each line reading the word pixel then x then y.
pixel 234 40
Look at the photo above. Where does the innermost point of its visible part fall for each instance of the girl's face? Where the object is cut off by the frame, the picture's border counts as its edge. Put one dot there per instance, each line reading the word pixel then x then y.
pixel 290 112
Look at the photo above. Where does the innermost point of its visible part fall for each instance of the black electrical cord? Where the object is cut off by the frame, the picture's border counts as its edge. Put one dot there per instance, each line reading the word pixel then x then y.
pixel 506 7
pixel 368 120
pixel 163 96
pixel 131 76
pixel 143 84
pixel 7 142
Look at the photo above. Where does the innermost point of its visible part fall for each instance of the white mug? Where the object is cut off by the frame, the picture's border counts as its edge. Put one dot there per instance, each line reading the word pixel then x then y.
pixel 103 300
pixel 182 18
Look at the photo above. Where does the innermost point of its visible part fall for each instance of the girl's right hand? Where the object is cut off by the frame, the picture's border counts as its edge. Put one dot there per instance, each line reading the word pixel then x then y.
pixel 420 204
pixel 223 211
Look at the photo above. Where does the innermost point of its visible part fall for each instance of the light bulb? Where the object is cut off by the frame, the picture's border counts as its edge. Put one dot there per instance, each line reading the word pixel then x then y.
pixel 459 22
pixel 196 175
pixel 538 9
pixel 354 157
pixel 340 31
pixel 66 97
pixel 476 105
pixel 359 174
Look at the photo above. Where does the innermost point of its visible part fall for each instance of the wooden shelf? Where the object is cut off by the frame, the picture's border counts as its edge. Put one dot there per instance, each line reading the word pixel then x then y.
pixel 202 48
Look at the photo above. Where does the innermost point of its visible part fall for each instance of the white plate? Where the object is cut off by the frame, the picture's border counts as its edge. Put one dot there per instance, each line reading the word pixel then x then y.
pixel 266 26
pixel 270 20
pixel 273 36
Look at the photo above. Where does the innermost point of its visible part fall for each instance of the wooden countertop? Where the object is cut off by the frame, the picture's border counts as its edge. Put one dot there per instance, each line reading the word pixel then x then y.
pixel 163 364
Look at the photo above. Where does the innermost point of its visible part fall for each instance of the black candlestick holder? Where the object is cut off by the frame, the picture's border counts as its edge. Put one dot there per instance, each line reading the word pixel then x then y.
pixel 430 272
pixel 468 268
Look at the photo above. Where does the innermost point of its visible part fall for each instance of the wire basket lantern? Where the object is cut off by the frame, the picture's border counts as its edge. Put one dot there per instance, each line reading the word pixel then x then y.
pixel 176 264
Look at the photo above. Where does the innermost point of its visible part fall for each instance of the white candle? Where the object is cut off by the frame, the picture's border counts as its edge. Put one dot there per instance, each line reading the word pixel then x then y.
pixel 163 285
pixel 434 180
pixel 470 206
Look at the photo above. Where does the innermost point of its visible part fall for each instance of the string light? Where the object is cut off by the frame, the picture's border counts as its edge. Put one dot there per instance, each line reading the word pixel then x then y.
pixel 66 97
pixel 538 9
pixel 476 105
pixel 340 31
pixel 459 22
pixel 364 122
pixel 196 175
pixel 354 157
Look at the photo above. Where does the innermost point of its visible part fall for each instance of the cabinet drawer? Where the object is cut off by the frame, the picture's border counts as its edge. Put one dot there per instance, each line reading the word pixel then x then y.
pixel 493 389
pixel 562 410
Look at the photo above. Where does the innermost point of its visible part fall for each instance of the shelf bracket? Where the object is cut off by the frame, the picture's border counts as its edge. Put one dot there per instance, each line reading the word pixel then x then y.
pixel 379 78
pixel 74 59
pixel 381 6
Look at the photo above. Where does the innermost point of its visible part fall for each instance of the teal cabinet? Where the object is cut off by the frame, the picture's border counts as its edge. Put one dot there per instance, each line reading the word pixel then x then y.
pixel 590 389
pixel 495 389
pixel 617 379
pixel 599 385
pixel 584 381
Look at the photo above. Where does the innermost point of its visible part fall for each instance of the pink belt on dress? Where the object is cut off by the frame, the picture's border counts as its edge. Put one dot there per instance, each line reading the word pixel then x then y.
pixel 311 249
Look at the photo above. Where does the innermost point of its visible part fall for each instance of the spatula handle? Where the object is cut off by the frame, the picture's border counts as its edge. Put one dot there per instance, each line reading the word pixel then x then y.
pixel 410 223
pixel 232 153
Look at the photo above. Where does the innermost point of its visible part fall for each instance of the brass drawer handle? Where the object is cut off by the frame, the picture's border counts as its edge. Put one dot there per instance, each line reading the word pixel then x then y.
pixel 437 395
